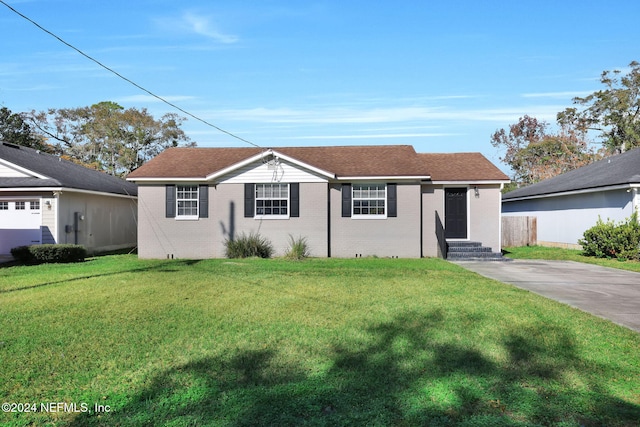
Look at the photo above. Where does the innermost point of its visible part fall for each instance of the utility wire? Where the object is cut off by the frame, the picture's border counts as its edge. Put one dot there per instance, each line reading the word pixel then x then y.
pixel 126 79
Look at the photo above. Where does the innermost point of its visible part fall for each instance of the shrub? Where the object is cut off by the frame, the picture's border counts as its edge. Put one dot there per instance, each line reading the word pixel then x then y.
pixel 298 248
pixel 246 246
pixel 38 254
pixel 613 240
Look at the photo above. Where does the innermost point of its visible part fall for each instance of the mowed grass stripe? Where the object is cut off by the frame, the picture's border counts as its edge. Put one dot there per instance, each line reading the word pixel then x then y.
pixel 319 342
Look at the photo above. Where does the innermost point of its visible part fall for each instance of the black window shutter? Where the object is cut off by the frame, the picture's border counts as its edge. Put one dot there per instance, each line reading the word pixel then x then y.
pixel 170 200
pixel 203 201
pixel 392 200
pixel 294 200
pixel 346 200
pixel 249 200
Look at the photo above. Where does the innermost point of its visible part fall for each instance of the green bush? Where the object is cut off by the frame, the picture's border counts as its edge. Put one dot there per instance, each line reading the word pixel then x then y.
pixel 246 246
pixel 298 248
pixel 39 254
pixel 613 240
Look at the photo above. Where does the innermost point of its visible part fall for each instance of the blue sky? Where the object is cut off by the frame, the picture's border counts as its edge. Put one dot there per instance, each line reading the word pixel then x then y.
pixel 439 75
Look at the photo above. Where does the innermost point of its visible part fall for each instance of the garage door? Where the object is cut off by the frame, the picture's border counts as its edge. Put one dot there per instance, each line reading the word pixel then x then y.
pixel 20 222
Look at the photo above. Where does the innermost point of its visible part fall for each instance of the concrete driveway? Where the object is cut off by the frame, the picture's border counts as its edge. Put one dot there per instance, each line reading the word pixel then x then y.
pixel 606 292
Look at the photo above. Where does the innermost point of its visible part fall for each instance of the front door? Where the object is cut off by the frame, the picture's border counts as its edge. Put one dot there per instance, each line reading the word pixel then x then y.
pixel 455 213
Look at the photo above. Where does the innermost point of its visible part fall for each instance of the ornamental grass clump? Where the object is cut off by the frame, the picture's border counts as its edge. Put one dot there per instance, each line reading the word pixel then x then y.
pixel 298 248
pixel 247 246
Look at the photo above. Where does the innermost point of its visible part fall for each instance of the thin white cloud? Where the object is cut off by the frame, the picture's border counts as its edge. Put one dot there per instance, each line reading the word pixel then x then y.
pixel 204 26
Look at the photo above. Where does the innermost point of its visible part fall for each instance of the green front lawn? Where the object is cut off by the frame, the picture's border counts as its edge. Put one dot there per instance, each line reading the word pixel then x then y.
pixel 319 342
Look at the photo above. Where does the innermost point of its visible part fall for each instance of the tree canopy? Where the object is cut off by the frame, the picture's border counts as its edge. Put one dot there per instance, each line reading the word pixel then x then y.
pixel 614 112
pixel 535 154
pixel 14 129
pixel 107 137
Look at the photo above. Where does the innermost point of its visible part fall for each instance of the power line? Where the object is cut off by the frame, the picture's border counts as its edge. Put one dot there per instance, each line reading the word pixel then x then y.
pixel 126 79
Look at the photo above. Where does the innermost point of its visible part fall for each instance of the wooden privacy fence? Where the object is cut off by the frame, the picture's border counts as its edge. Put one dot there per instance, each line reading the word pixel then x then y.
pixel 519 231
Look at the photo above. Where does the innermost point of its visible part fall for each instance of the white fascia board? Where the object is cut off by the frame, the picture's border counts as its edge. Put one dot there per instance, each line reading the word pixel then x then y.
pixel 383 178
pixel 261 156
pixel 476 182
pixel 63 190
pixel 574 192
pixel 23 170
pixel 167 180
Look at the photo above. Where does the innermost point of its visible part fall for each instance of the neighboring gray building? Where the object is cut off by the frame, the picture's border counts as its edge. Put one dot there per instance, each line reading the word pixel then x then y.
pixel 46 199
pixel 347 201
pixel 569 204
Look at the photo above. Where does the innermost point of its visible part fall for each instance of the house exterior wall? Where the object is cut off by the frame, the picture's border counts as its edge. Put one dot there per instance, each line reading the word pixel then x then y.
pixel 484 220
pixel 311 224
pixel 390 237
pixel 109 222
pixel 160 237
pixel 433 221
pixel 563 220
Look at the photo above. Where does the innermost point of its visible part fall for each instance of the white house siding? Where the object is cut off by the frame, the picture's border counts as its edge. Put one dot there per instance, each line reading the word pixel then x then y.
pixel 563 220
pixel 109 222
pixel 390 237
pixel 260 172
pixel 49 222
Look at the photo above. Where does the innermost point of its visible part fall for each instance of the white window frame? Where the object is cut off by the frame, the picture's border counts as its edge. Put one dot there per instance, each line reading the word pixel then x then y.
pixel 22 206
pixel 267 196
pixel 4 206
pixel 190 189
pixel 34 205
pixel 358 196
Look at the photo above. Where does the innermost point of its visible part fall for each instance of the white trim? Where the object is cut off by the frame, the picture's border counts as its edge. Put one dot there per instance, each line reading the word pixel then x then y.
pixel 66 190
pixel 260 157
pixel 470 182
pixel 23 170
pixel 382 178
pixel 573 192
pixel 168 180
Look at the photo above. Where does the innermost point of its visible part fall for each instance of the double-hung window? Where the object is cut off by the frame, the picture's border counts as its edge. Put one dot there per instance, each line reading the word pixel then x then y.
pixel 272 200
pixel 369 200
pixel 187 201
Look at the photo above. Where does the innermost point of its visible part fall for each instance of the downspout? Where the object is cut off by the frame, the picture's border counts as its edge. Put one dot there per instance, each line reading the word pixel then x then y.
pixel 328 220
pixel 500 218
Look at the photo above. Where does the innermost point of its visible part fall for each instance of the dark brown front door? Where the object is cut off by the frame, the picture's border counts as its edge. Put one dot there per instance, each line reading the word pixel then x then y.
pixel 455 213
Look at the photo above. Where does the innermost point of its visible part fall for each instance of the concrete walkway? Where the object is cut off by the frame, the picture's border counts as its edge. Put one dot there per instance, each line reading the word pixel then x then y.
pixel 606 292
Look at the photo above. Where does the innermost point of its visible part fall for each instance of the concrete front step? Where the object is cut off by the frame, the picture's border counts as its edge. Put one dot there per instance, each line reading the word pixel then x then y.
pixel 471 251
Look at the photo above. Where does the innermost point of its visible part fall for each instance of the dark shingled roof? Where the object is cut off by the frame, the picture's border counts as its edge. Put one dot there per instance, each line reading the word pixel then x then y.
pixel 615 170
pixel 341 161
pixel 59 173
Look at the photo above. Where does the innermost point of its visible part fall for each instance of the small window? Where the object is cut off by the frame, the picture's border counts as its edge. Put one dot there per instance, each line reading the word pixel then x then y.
pixel 369 200
pixel 4 206
pixel 34 205
pixel 272 200
pixel 187 201
pixel 20 206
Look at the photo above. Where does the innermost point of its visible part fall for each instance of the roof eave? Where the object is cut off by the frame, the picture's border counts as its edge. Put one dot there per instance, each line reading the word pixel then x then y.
pixel 574 192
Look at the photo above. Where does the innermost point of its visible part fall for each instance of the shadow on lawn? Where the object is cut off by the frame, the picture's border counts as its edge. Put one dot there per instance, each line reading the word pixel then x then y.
pixel 405 375
pixel 168 266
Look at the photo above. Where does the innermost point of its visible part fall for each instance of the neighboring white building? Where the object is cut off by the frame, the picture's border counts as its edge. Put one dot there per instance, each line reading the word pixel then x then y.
pixel 569 204
pixel 45 199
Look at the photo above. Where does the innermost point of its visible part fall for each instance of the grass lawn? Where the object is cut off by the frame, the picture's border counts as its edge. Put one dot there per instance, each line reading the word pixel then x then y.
pixel 542 252
pixel 319 342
